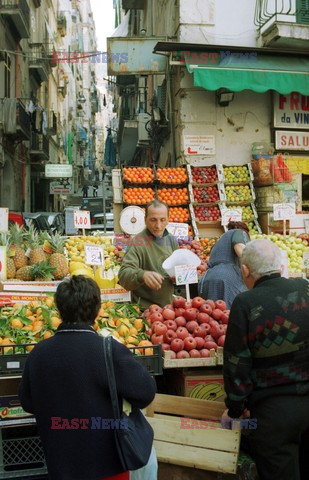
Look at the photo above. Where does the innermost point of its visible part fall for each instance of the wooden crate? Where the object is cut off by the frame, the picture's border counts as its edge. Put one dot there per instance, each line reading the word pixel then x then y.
pixel 209 447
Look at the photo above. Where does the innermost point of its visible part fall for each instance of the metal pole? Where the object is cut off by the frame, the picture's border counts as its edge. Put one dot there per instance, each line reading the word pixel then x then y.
pixel 104 202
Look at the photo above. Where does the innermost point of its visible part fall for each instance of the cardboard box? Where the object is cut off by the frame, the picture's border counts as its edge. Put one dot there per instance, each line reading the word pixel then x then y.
pixel 10 408
pixel 209 386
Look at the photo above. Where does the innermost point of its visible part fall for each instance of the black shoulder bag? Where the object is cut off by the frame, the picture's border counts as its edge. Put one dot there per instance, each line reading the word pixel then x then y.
pixel 134 435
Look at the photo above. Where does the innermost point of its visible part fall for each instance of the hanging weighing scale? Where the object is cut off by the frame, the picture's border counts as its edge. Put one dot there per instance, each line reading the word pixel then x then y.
pixel 132 220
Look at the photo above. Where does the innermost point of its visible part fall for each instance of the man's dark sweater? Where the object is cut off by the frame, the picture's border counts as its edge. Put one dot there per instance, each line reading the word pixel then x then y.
pixel 266 351
pixel 65 377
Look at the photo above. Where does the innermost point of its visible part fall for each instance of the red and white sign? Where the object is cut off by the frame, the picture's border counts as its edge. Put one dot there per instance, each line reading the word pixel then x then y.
pixel 284 211
pixel 82 219
pixel 287 140
pixel 291 111
pixel 230 215
pixel 4 219
pixel 199 144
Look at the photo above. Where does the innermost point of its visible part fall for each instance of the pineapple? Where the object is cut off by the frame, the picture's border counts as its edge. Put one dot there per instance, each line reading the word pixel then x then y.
pixel 17 238
pixel 24 274
pixel 10 265
pixel 37 254
pixel 57 258
pixel 40 272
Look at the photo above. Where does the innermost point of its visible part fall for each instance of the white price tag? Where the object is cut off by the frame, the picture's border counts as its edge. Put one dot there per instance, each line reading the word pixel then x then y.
pixel 82 219
pixel 186 274
pixel 284 211
pixel 4 219
pixel 230 215
pixel 178 229
pixel 306 259
pixel 94 255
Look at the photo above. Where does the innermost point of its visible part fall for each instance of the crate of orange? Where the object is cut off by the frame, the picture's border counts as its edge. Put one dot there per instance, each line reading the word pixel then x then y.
pixel 172 176
pixel 179 214
pixel 138 175
pixel 175 196
pixel 138 195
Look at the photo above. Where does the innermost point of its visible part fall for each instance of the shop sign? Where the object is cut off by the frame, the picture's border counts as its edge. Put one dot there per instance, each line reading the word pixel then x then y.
pixel 230 215
pixel 291 111
pixel 186 274
pixel 94 255
pixel 4 219
pixel 58 170
pixel 178 229
pixel 64 188
pixel 284 211
pixel 2 263
pixel 287 140
pixel 82 219
pixel 199 144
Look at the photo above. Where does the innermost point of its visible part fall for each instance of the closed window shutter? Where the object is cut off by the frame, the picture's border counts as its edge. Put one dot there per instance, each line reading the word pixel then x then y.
pixel 302 11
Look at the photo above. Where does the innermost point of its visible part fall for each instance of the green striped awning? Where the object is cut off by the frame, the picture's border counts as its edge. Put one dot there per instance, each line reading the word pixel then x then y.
pixel 282 74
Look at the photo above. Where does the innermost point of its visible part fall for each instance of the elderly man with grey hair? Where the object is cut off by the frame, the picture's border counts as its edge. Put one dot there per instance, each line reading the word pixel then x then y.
pixel 266 363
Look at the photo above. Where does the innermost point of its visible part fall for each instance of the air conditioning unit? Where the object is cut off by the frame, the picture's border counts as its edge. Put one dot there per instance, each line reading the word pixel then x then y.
pixel 143 122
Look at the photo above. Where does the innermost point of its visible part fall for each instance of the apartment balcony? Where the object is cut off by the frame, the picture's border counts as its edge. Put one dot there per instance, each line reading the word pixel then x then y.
pixel 15 119
pixel 38 62
pixel 62 24
pixel 39 147
pixel 52 123
pixel 133 4
pixel 283 23
pixel 18 12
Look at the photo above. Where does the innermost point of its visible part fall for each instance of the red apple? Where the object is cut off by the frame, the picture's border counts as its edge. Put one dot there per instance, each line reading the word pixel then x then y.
pixel 179 302
pixel 182 354
pixel 148 332
pixel 168 314
pixel 165 346
pixel 169 336
pixel 211 303
pixel 160 329
pixel 182 333
pixel 155 339
pixel 199 331
pixel 214 330
pixel 191 326
pixel 221 341
pixel 177 344
pixel 222 329
pixel 156 317
pixel 172 354
pixel 217 314
pixel 209 338
pixel 194 353
pixel 189 343
pixel 206 308
pixel 147 313
pixel 210 345
pixel 224 318
pixel 197 302
pixel 171 325
pixel 203 318
pixel 181 321
pixel 155 309
pixel 220 304
pixel 169 305
pixel 205 353
pixel 199 342
pixel 190 314
pixel 179 312
pixel 188 305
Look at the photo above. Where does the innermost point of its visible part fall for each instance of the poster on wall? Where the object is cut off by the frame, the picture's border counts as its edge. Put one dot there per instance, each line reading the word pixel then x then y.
pixel 291 111
pixel 287 140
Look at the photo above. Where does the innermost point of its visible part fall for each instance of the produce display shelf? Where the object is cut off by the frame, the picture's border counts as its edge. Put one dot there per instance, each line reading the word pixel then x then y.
pixel 203 222
pixel 18 286
pixel 189 362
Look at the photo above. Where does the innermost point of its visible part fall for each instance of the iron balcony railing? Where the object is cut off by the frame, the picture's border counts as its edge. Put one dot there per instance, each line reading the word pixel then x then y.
pixel 39 145
pixel 270 11
pixel 38 55
pixel 23 119
pixel 22 5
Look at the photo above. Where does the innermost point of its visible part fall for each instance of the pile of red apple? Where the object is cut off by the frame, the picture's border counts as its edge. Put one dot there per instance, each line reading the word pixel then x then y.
pixel 188 329
pixel 207 214
pixel 206 194
pixel 204 174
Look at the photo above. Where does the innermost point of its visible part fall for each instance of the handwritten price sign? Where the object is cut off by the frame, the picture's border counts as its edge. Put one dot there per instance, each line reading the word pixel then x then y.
pixel 186 274
pixel 178 229
pixel 199 144
pixel 230 215
pixel 82 219
pixel 4 219
pixel 284 211
pixel 94 255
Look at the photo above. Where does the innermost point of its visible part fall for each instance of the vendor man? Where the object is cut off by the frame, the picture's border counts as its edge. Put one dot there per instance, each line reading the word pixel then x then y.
pixel 141 269
pixel 266 363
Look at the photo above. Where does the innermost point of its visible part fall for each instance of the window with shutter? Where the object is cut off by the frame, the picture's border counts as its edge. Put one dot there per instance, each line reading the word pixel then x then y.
pixel 302 11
